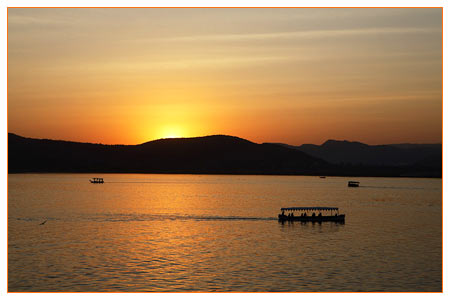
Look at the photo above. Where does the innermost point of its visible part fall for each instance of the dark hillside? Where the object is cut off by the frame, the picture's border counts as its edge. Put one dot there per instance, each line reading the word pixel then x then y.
pixel 220 154
pixel 212 154
pixel 345 152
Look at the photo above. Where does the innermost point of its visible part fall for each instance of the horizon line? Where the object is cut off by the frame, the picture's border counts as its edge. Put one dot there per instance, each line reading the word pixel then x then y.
pixel 227 135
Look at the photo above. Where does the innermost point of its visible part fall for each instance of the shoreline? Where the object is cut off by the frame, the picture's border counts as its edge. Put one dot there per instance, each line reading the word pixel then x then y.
pixel 229 174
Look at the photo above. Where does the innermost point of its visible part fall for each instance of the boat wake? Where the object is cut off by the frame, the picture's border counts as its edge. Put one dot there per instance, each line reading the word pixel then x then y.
pixel 145 217
pixel 395 187
pixel 172 217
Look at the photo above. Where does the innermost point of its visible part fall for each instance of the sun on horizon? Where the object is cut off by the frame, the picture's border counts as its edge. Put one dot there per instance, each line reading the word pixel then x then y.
pixel 173 136
pixel 171 132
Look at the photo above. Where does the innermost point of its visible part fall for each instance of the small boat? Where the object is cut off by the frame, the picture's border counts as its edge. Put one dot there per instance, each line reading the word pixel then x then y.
pixel 323 177
pixel 334 215
pixel 96 180
pixel 353 183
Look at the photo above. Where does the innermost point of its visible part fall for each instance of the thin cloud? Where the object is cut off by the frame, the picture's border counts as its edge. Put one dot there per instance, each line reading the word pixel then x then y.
pixel 197 63
pixel 31 20
pixel 299 34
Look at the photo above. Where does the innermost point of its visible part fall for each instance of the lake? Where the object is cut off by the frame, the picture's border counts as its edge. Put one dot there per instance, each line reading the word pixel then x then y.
pixel 213 233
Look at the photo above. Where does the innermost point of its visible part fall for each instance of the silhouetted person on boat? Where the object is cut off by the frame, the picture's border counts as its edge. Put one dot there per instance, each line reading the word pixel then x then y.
pixel 320 214
pixel 313 215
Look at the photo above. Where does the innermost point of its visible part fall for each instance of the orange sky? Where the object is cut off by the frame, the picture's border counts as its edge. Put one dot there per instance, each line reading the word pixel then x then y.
pixel 127 76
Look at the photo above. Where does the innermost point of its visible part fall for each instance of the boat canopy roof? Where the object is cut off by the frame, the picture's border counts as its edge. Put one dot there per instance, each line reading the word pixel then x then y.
pixel 310 208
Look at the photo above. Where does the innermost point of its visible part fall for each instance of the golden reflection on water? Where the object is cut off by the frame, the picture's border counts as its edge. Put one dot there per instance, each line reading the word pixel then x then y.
pixel 220 233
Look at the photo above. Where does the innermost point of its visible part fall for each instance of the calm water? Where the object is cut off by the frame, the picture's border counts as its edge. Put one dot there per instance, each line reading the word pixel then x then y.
pixel 179 233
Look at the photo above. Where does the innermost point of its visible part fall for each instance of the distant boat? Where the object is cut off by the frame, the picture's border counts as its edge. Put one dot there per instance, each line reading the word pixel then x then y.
pixel 96 180
pixel 323 177
pixel 353 183
pixel 334 215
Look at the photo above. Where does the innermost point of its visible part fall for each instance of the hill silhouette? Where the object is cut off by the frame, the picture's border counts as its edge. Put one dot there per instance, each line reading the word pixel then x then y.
pixel 216 154
pixel 345 152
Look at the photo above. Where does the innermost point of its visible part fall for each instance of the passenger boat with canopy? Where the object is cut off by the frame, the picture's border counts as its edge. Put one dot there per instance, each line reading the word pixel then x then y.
pixel 96 180
pixel 331 214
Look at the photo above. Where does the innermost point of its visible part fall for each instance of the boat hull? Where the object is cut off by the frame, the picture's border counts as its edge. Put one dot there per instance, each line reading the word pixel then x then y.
pixel 338 218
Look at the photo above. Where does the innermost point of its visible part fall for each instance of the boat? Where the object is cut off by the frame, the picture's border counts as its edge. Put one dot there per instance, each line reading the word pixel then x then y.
pixel 323 177
pixel 353 183
pixel 96 180
pixel 315 216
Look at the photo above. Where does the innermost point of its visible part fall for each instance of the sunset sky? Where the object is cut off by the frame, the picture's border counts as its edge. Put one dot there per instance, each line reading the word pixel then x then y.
pixel 127 76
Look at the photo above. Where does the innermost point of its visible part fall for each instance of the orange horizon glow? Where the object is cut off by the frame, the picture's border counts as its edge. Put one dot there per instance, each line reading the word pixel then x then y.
pixel 295 76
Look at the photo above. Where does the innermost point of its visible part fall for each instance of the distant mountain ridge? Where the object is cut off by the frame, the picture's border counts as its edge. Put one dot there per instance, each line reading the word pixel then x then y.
pixel 221 154
pixel 218 154
pixel 345 152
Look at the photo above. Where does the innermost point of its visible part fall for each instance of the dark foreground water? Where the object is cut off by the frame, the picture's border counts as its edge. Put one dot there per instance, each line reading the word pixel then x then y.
pixel 178 233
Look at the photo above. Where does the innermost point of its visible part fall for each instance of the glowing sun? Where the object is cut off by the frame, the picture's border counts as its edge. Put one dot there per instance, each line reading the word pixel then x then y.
pixel 171 133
